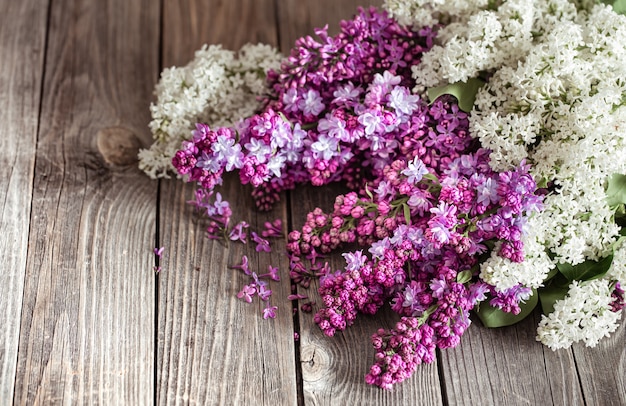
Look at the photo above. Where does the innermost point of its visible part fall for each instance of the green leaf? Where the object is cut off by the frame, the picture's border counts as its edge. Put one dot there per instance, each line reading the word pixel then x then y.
pixel 464 276
pixel 551 274
pixel 493 317
pixel 616 190
pixel 619 6
pixel 587 270
pixel 465 92
pixel 407 213
pixel 549 295
pixel 369 194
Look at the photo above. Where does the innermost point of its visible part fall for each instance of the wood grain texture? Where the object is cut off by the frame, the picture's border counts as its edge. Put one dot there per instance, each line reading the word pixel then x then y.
pixel 602 369
pixel 212 347
pixel 21 73
pixel 333 368
pixel 506 366
pixel 188 24
pixel 87 330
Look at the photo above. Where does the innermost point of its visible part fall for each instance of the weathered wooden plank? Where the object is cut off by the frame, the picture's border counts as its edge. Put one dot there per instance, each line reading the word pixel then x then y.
pixel 21 73
pixel 212 347
pixel 507 366
pixel 87 330
pixel 333 369
pixel 602 369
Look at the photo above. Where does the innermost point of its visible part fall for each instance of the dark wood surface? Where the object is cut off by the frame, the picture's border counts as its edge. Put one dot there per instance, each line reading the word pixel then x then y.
pixel 86 321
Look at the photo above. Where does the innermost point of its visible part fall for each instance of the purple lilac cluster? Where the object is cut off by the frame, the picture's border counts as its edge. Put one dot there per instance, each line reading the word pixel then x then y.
pixel 337 104
pixel 425 229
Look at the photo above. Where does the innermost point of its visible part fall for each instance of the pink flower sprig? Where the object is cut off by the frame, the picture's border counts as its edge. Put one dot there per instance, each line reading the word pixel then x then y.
pixel 158 253
pixel 273 229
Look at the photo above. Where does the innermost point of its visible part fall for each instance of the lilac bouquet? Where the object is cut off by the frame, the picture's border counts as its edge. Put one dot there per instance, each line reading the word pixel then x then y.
pixel 443 208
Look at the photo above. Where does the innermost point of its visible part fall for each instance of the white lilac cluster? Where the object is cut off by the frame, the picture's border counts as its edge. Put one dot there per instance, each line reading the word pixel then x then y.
pixel 428 13
pixel 480 36
pixel 555 98
pixel 562 109
pixel 585 314
pixel 217 87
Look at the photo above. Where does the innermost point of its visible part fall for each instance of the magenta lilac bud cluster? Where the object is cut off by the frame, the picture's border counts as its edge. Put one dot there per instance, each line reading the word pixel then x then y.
pixel 426 229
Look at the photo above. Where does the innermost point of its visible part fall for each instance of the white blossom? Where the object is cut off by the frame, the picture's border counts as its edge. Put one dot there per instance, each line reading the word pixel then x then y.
pixel 218 87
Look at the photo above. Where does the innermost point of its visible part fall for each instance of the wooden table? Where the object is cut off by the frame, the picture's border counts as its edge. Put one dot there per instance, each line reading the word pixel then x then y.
pixel 85 320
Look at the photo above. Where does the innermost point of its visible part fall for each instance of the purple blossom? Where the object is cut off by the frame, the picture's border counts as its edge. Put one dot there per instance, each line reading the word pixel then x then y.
pixel 378 248
pixel 346 94
pixel 247 293
pixel 258 149
pixel 262 244
pixel 238 233
pixel 311 103
pixel 244 266
pixel 372 122
pixel 269 312
pixel 290 99
pixel 403 102
pixel 272 273
pixel 354 260
pixel 415 171
pixel 438 287
pixel 264 292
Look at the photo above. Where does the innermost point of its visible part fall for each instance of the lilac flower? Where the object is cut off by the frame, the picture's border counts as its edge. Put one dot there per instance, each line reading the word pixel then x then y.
pixel 244 266
pixel 354 260
pixel 415 171
pixel 311 103
pixel 276 164
pixel 379 247
pixel 438 287
pixel 487 192
pixel 439 231
pixel 247 292
pixel 387 79
pixel 403 101
pixel 334 127
pixel 478 292
pixel 264 293
pixel 238 233
pixel 290 99
pixel 269 312
pixel 225 149
pixel 158 251
pixel 208 162
pixel 372 121
pixel 346 94
pixel 220 207
pixel 258 149
pixel 272 273
pixel 262 244
pixel 273 229
pixel 325 147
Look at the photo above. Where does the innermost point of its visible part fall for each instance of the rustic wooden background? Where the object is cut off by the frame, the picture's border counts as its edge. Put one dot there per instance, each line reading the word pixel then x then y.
pixel 86 321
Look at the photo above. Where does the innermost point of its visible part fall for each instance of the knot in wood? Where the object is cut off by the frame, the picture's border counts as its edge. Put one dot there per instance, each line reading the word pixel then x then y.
pixel 315 361
pixel 118 145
